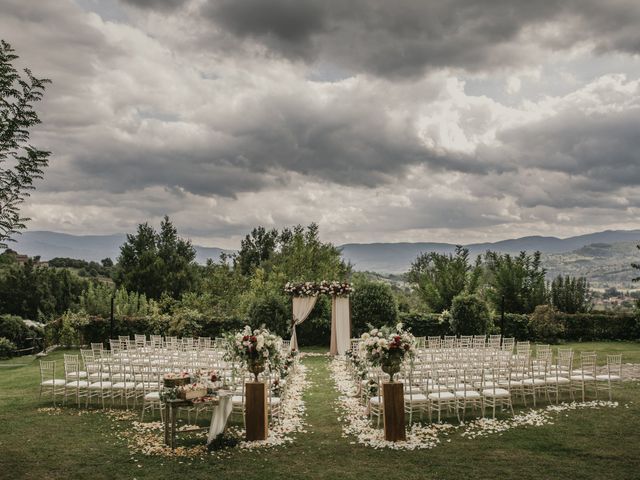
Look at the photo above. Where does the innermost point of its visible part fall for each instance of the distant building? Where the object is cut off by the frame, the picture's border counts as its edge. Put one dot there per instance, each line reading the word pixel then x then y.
pixel 22 259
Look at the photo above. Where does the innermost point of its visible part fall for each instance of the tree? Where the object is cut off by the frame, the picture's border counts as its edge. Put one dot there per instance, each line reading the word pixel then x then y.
pixel 440 277
pixel 20 162
pixel 256 248
pixel 35 292
pixel 154 263
pixel 570 294
pixel 515 283
pixel 544 324
pixel 636 266
pixel 372 303
pixel 469 315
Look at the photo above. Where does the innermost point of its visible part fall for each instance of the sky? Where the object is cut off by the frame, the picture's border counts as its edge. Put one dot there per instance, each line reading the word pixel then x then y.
pixel 382 121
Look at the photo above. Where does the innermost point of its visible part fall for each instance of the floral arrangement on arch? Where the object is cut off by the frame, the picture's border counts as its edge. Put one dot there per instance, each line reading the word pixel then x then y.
pixel 255 349
pixel 387 348
pixel 313 289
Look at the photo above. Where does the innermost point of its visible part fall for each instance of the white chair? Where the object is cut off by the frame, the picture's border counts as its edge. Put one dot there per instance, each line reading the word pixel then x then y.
pixel 585 376
pixel 49 384
pixel 466 395
pixel 415 400
pixel 497 391
pixel 612 375
pixel 441 399
pixel 72 375
pixel 151 399
pixel 558 376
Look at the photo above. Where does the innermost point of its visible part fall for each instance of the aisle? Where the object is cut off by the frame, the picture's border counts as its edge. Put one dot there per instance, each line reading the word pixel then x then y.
pixel 320 399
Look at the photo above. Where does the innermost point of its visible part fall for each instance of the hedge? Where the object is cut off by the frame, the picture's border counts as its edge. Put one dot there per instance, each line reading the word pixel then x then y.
pixel 96 329
pixel 601 326
pixel 425 324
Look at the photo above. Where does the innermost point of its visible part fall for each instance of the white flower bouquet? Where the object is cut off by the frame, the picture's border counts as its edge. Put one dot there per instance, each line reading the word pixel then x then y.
pixel 387 348
pixel 255 349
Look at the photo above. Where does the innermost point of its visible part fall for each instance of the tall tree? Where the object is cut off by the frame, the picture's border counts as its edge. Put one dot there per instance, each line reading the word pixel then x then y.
pixel 516 284
pixel 255 249
pixel 440 277
pixel 154 263
pixel 20 162
pixel 570 294
pixel 636 266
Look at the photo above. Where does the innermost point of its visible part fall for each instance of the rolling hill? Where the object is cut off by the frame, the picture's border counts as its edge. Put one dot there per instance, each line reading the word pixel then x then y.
pixel 86 247
pixel 603 257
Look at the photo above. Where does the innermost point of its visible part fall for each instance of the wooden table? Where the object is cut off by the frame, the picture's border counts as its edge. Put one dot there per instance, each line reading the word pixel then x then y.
pixel 170 419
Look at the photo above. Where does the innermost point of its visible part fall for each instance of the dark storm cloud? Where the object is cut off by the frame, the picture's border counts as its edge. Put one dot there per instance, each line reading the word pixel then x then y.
pixel 602 148
pixel 165 5
pixel 405 37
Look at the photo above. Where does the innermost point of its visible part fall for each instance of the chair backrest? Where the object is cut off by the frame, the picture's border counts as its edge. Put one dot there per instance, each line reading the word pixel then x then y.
pixel 494 341
pixel 71 365
pixel 588 362
pixel 614 365
pixel 434 342
pixel 466 341
pixel 508 343
pixel 449 341
pixel 47 370
pixel 479 341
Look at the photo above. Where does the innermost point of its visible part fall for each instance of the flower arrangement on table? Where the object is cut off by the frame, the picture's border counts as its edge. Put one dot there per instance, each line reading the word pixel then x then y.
pixel 255 349
pixel 175 379
pixel 387 348
pixel 313 289
pixel 187 391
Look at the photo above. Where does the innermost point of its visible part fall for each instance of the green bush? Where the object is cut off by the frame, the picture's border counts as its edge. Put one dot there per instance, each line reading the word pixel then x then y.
pixel 516 325
pixel 7 348
pixel 186 323
pixel 469 315
pixel 271 310
pixel 15 330
pixel 544 324
pixel 71 326
pixel 426 324
pixel 372 303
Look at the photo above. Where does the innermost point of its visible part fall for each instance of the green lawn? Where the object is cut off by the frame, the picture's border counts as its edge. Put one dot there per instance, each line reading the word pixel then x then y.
pixel 600 444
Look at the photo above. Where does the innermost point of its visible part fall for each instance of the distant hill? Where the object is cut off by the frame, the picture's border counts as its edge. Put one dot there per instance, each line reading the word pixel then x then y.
pixel 603 257
pixel 86 247
pixel 397 257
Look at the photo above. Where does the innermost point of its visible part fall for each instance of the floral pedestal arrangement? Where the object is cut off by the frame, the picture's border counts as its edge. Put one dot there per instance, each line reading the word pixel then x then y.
pixel 388 349
pixel 256 350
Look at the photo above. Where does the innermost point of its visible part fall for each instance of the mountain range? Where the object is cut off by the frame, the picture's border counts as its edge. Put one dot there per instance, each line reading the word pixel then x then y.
pixel 603 257
pixel 397 257
pixel 49 245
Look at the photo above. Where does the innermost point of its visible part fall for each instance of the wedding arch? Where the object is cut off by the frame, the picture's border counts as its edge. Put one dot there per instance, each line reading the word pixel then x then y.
pixel 304 297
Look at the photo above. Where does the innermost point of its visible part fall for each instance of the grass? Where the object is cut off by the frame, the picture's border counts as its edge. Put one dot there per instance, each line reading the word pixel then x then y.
pixel 599 444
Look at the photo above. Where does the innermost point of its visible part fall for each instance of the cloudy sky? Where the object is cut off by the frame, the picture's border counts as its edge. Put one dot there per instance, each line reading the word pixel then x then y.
pixel 404 120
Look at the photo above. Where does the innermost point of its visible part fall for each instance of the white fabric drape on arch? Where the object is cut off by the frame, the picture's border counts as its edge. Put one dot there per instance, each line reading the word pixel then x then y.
pixel 340 325
pixel 302 307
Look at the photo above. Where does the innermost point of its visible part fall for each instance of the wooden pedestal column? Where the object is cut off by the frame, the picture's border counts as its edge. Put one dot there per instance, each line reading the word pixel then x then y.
pixel 255 406
pixel 393 397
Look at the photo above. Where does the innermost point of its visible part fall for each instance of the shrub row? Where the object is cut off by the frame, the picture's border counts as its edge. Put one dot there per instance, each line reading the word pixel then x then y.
pixel 78 330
